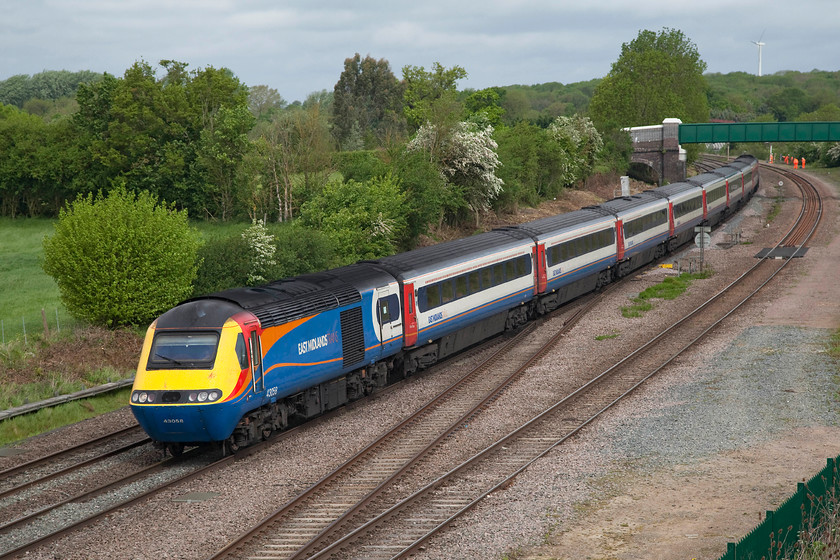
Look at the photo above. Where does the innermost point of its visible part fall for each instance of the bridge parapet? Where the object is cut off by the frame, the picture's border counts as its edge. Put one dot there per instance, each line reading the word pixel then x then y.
pixel 658 147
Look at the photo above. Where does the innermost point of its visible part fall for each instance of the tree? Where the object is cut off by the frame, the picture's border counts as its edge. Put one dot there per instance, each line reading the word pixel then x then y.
pixel 485 106
pixel 788 103
pixel 181 137
pixel 121 259
pixel 262 100
pixel 366 103
pixel 222 148
pixel 295 149
pixel 466 156
pixel 657 76
pixel 534 165
pixel 430 97
pixel 363 220
pixel 580 143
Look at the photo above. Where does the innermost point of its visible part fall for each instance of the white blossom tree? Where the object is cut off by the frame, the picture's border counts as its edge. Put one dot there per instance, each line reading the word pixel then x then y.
pixel 262 251
pixel 580 141
pixel 467 159
pixel 834 152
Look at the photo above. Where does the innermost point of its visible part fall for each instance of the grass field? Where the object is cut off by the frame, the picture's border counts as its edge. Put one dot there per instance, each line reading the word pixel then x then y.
pixel 26 287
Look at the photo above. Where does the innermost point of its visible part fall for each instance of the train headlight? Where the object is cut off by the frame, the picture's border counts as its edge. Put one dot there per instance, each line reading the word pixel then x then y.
pixel 192 397
pixel 143 397
pixel 151 397
pixel 135 397
pixel 202 396
pixel 213 396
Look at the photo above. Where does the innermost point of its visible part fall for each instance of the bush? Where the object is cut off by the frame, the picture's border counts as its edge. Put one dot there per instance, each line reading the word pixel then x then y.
pixel 361 165
pixel 121 259
pixel 361 220
pixel 227 261
pixel 224 264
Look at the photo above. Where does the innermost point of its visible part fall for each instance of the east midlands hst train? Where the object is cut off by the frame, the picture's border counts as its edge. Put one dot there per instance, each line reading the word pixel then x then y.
pixel 234 366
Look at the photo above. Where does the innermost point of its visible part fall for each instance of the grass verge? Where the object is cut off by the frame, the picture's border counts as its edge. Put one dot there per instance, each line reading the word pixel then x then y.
pixel 28 425
pixel 670 288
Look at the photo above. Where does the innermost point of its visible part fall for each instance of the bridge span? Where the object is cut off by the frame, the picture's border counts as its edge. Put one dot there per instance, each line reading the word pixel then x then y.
pixel 658 146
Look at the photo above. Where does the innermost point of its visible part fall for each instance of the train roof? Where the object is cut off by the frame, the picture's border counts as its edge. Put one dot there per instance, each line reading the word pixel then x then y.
pixel 624 204
pixel 292 298
pixel 674 189
pixel 438 256
pixel 561 222
pixel 704 179
pixel 198 314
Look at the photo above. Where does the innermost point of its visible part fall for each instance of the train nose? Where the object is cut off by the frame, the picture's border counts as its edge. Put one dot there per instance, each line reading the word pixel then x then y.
pixel 186 424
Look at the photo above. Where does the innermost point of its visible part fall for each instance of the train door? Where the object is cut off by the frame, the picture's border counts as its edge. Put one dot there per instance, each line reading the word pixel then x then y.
pixel 410 314
pixel 388 314
pixel 540 274
pixel 256 361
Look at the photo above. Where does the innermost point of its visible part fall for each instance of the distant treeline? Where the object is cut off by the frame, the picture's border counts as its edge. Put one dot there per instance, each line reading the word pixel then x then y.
pixel 737 96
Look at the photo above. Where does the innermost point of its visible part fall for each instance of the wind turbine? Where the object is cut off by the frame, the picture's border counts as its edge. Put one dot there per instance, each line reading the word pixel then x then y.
pixel 759 44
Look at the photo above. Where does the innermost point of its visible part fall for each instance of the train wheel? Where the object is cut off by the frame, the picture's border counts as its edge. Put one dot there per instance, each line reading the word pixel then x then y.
pixel 175 449
pixel 231 445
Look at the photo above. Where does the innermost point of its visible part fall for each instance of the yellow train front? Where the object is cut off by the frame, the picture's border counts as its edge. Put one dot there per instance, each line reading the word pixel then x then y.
pixel 195 377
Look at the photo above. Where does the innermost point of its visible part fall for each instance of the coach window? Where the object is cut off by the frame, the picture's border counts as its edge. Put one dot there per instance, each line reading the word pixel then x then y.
pixel 498 274
pixel 486 278
pixel 432 296
pixel 447 294
pixel 521 266
pixel 461 286
pixel 475 287
pixel 510 270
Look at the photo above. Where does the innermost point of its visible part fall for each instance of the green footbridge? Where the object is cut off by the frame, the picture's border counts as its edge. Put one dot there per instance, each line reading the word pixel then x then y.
pixel 709 133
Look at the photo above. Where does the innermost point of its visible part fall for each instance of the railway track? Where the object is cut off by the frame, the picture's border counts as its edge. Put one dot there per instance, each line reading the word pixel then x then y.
pixel 333 504
pixel 404 523
pixel 40 517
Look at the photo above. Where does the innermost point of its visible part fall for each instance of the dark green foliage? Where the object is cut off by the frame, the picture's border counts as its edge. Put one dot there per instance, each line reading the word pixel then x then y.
pixel 362 220
pixel 121 259
pixel 743 97
pixel 302 250
pixel 427 195
pixel 367 102
pixel 226 258
pixel 224 264
pixel 532 166
pixel 360 165
pixel 49 85
pixel 180 137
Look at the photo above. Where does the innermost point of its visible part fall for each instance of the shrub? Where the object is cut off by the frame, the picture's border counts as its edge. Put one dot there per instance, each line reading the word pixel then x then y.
pixel 121 259
pixel 362 220
pixel 227 261
pixel 224 264
pixel 361 165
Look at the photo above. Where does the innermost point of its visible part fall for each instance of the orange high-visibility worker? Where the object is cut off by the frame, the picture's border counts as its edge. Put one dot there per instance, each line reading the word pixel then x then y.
pixel 786 160
pixel 795 163
pixel 803 163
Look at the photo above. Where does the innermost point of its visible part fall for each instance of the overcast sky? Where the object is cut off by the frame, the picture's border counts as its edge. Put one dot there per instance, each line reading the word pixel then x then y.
pixel 299 46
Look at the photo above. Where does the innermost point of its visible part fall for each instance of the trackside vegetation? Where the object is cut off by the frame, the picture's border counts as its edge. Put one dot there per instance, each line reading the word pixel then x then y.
pixel 46 419
pixel 121 259
pixel 670 288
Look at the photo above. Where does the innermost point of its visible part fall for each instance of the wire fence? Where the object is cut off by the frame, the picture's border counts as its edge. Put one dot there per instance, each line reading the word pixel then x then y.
pixel 37 323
